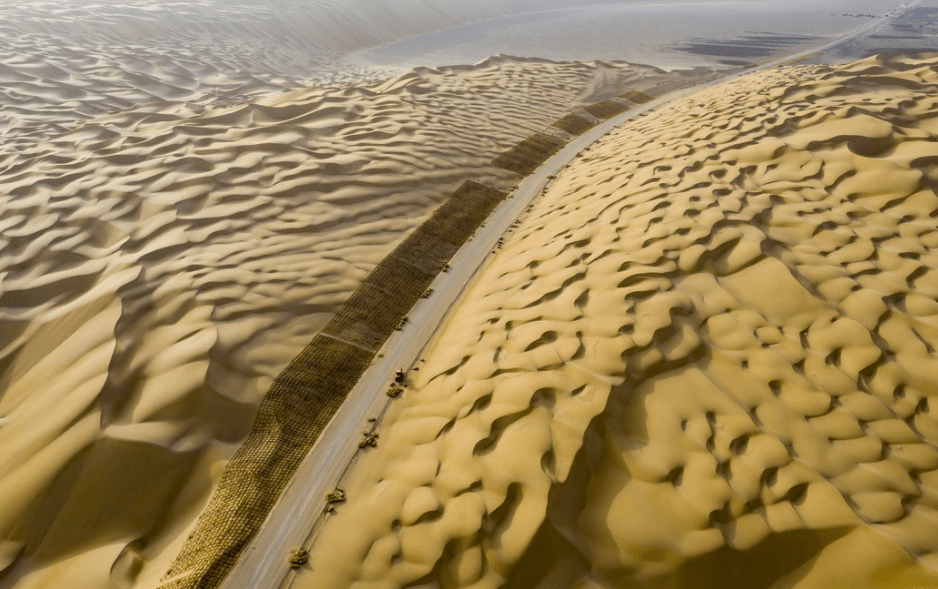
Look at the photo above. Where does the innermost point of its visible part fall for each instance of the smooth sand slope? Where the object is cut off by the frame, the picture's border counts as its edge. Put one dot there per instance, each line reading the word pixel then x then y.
pixel 159 267
pixel 705 358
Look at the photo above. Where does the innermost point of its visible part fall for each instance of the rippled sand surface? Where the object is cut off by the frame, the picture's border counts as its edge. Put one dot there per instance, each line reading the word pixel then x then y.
pixel 705 358
pixel 161 265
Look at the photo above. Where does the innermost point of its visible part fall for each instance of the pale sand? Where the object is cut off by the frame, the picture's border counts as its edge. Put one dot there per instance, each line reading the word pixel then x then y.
pixel 705 358
pixel 159 267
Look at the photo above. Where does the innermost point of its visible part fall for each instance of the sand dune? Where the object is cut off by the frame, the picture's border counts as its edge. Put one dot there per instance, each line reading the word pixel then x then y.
pixel 160 266
pixel 704 358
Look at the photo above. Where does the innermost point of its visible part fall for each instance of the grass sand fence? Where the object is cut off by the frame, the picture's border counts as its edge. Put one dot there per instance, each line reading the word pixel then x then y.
pixel 305 396
pixel 607 108
pixel 636 97
pixel 528 155
pixel 574 124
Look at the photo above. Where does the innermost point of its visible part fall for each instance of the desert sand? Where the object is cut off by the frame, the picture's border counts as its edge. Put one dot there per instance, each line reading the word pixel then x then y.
pixel 705 357
pixel 189 190
pixel 161 265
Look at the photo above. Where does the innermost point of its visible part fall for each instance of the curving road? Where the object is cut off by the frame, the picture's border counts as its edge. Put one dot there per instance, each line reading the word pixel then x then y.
pixel 264 564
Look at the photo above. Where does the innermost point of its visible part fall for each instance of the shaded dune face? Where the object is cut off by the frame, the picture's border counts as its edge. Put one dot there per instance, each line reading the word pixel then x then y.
pixel 160 268
pixel 704 358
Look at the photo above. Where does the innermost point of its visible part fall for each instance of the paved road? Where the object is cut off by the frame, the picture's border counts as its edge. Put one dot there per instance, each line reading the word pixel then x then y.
pixel 264 562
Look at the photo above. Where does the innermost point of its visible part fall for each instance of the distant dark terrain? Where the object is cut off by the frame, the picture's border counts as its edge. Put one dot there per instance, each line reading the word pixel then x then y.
pixel 914 30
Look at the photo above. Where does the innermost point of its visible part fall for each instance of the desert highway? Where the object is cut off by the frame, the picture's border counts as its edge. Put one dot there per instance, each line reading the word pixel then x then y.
pixel 295 519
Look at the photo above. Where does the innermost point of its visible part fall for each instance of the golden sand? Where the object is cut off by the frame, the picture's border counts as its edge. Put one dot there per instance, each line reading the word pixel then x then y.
pixel 704 358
